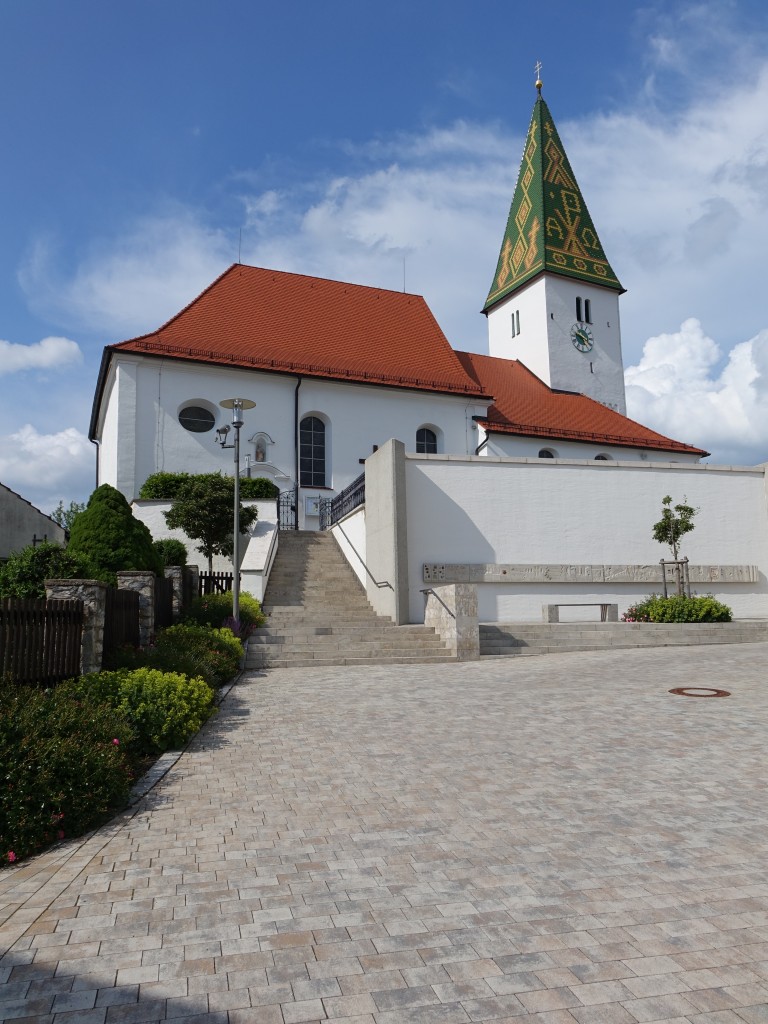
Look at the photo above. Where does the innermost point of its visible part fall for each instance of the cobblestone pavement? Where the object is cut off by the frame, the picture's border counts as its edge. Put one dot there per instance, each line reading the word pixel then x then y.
pixel 553 838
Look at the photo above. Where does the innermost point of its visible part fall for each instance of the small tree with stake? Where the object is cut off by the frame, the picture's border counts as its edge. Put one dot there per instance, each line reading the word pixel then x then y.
pixel 202 508
pixel 675 522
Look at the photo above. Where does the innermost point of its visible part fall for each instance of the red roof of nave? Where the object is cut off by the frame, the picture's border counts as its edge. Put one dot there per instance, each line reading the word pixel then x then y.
pixel 290 323
pixel 524 405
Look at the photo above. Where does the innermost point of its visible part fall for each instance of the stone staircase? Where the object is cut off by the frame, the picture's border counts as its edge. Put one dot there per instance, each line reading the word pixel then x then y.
pixel 528 638
pixel 318 614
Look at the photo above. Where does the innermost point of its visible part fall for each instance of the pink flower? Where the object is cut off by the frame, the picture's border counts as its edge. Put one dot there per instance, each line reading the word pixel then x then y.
pixel 115 743
pixel 60 833
pixel 11 856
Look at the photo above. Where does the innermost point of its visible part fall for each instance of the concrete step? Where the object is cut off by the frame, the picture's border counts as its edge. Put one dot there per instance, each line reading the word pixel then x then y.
pixel 514 640
pixel 318 614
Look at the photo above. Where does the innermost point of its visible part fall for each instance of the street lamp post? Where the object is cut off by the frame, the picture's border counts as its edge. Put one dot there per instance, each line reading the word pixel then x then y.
pixel 237 405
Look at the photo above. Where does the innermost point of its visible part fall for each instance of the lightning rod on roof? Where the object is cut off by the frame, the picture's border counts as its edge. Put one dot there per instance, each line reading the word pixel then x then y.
pixel 240 246
pixel 403 273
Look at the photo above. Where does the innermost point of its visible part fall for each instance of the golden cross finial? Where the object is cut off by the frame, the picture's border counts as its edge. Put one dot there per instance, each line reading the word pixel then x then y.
pixel 537 68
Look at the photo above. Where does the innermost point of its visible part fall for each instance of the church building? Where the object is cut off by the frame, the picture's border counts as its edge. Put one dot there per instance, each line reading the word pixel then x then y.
pixel 336 370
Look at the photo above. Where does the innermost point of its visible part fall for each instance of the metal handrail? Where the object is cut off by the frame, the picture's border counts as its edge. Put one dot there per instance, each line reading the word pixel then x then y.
pixel 429 590
pixel 368 572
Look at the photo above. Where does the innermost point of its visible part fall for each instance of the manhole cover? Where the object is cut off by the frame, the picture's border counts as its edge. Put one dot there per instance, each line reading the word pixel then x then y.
pixel 699 691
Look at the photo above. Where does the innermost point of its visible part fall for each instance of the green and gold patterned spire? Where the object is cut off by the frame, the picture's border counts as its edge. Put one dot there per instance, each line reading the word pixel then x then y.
pixel 549 227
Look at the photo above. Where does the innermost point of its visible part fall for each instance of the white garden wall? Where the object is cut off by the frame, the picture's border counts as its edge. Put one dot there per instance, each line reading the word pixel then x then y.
pixel 487 510
pixel 350 536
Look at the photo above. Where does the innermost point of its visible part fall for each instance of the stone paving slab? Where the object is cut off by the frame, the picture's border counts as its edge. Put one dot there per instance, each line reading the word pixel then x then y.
pixel 557 839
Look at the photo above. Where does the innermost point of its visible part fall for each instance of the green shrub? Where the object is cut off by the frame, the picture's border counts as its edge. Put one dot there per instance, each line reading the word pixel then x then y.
pixel 167 485
pixel 218 650
pixel 162 485
pixel 188 648
pixel 110 536
pixel 216 610
pixel 165 709
pixel 171 551
pixel 678 608
pixel 258 488
pixel 64 766
pixel 24 572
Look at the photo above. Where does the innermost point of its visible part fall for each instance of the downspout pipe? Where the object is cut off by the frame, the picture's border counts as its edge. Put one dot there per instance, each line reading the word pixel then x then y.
pixel 98 453
pixel 296 447
pixel 484 442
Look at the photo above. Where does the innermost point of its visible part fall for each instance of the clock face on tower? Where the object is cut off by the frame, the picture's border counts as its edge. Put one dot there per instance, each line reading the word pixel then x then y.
pixel 581 336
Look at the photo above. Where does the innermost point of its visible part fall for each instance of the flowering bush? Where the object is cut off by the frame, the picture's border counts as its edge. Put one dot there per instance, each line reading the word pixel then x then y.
pixel 165 709
pixel 678 608
pixel 62 772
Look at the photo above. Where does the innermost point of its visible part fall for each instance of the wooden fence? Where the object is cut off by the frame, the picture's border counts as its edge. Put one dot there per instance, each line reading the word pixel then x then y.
pixel 215 582
pixel 163 602
pixel 40 640
pixel 121 619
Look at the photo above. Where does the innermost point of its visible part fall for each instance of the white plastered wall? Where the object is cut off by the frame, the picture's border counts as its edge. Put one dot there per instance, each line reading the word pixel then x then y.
pixel 358 417
pixel 556 512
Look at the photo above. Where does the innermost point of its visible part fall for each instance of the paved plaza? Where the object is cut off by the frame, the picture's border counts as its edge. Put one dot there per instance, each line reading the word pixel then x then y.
pixel 555 838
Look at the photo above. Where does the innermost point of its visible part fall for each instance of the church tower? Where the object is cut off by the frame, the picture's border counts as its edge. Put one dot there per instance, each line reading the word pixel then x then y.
pixel 554 300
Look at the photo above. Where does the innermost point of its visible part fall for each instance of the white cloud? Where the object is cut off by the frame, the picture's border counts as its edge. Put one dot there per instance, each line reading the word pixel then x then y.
pixel 45 468
pixel 43 355
pixel 133 284
pixel 682 388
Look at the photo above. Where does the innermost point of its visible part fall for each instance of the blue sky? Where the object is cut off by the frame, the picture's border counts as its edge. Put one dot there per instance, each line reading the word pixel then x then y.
pixel 147 143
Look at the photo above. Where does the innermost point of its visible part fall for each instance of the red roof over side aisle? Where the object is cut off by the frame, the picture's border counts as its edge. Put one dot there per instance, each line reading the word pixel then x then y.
pixel 524 405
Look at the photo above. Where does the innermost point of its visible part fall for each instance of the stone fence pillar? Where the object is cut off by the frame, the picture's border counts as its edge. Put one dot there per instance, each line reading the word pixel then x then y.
pixel 93 594
pixel 452 611
pixel 144 584
pixel 176 573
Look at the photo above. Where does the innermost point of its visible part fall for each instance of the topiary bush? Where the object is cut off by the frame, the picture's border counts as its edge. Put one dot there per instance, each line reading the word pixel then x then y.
pixel 24 572
pixel 164 709
pixel 258 488
pixel 108 534
pixel 64 766
pixel 167 486
pixel 216 610
pixel 678 608
pixel 162 485
pixel 171 551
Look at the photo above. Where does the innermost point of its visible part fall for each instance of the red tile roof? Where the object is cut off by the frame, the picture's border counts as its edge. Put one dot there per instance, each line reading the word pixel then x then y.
pixel 271 320
pixel 524 405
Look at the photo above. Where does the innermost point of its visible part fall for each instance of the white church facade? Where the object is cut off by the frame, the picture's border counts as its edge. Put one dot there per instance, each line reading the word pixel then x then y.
pixel 518 469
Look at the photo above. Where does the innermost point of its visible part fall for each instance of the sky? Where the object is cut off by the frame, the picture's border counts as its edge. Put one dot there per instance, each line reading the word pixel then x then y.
pixel 149 145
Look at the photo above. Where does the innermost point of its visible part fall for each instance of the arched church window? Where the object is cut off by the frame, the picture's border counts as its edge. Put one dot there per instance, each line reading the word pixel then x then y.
pixel 588 311
pixel 578 308
pixel 312 452
pixel 602 458
pixel 426 441
pixel 547 453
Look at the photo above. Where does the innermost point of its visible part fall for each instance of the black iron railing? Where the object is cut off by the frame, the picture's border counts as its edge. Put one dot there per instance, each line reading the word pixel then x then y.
pixel 344 503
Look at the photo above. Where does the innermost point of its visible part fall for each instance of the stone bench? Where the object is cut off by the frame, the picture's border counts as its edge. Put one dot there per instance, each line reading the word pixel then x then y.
pixel 608 612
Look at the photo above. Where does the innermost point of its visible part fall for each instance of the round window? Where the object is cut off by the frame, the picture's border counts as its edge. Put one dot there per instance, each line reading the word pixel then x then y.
pixel 197 419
